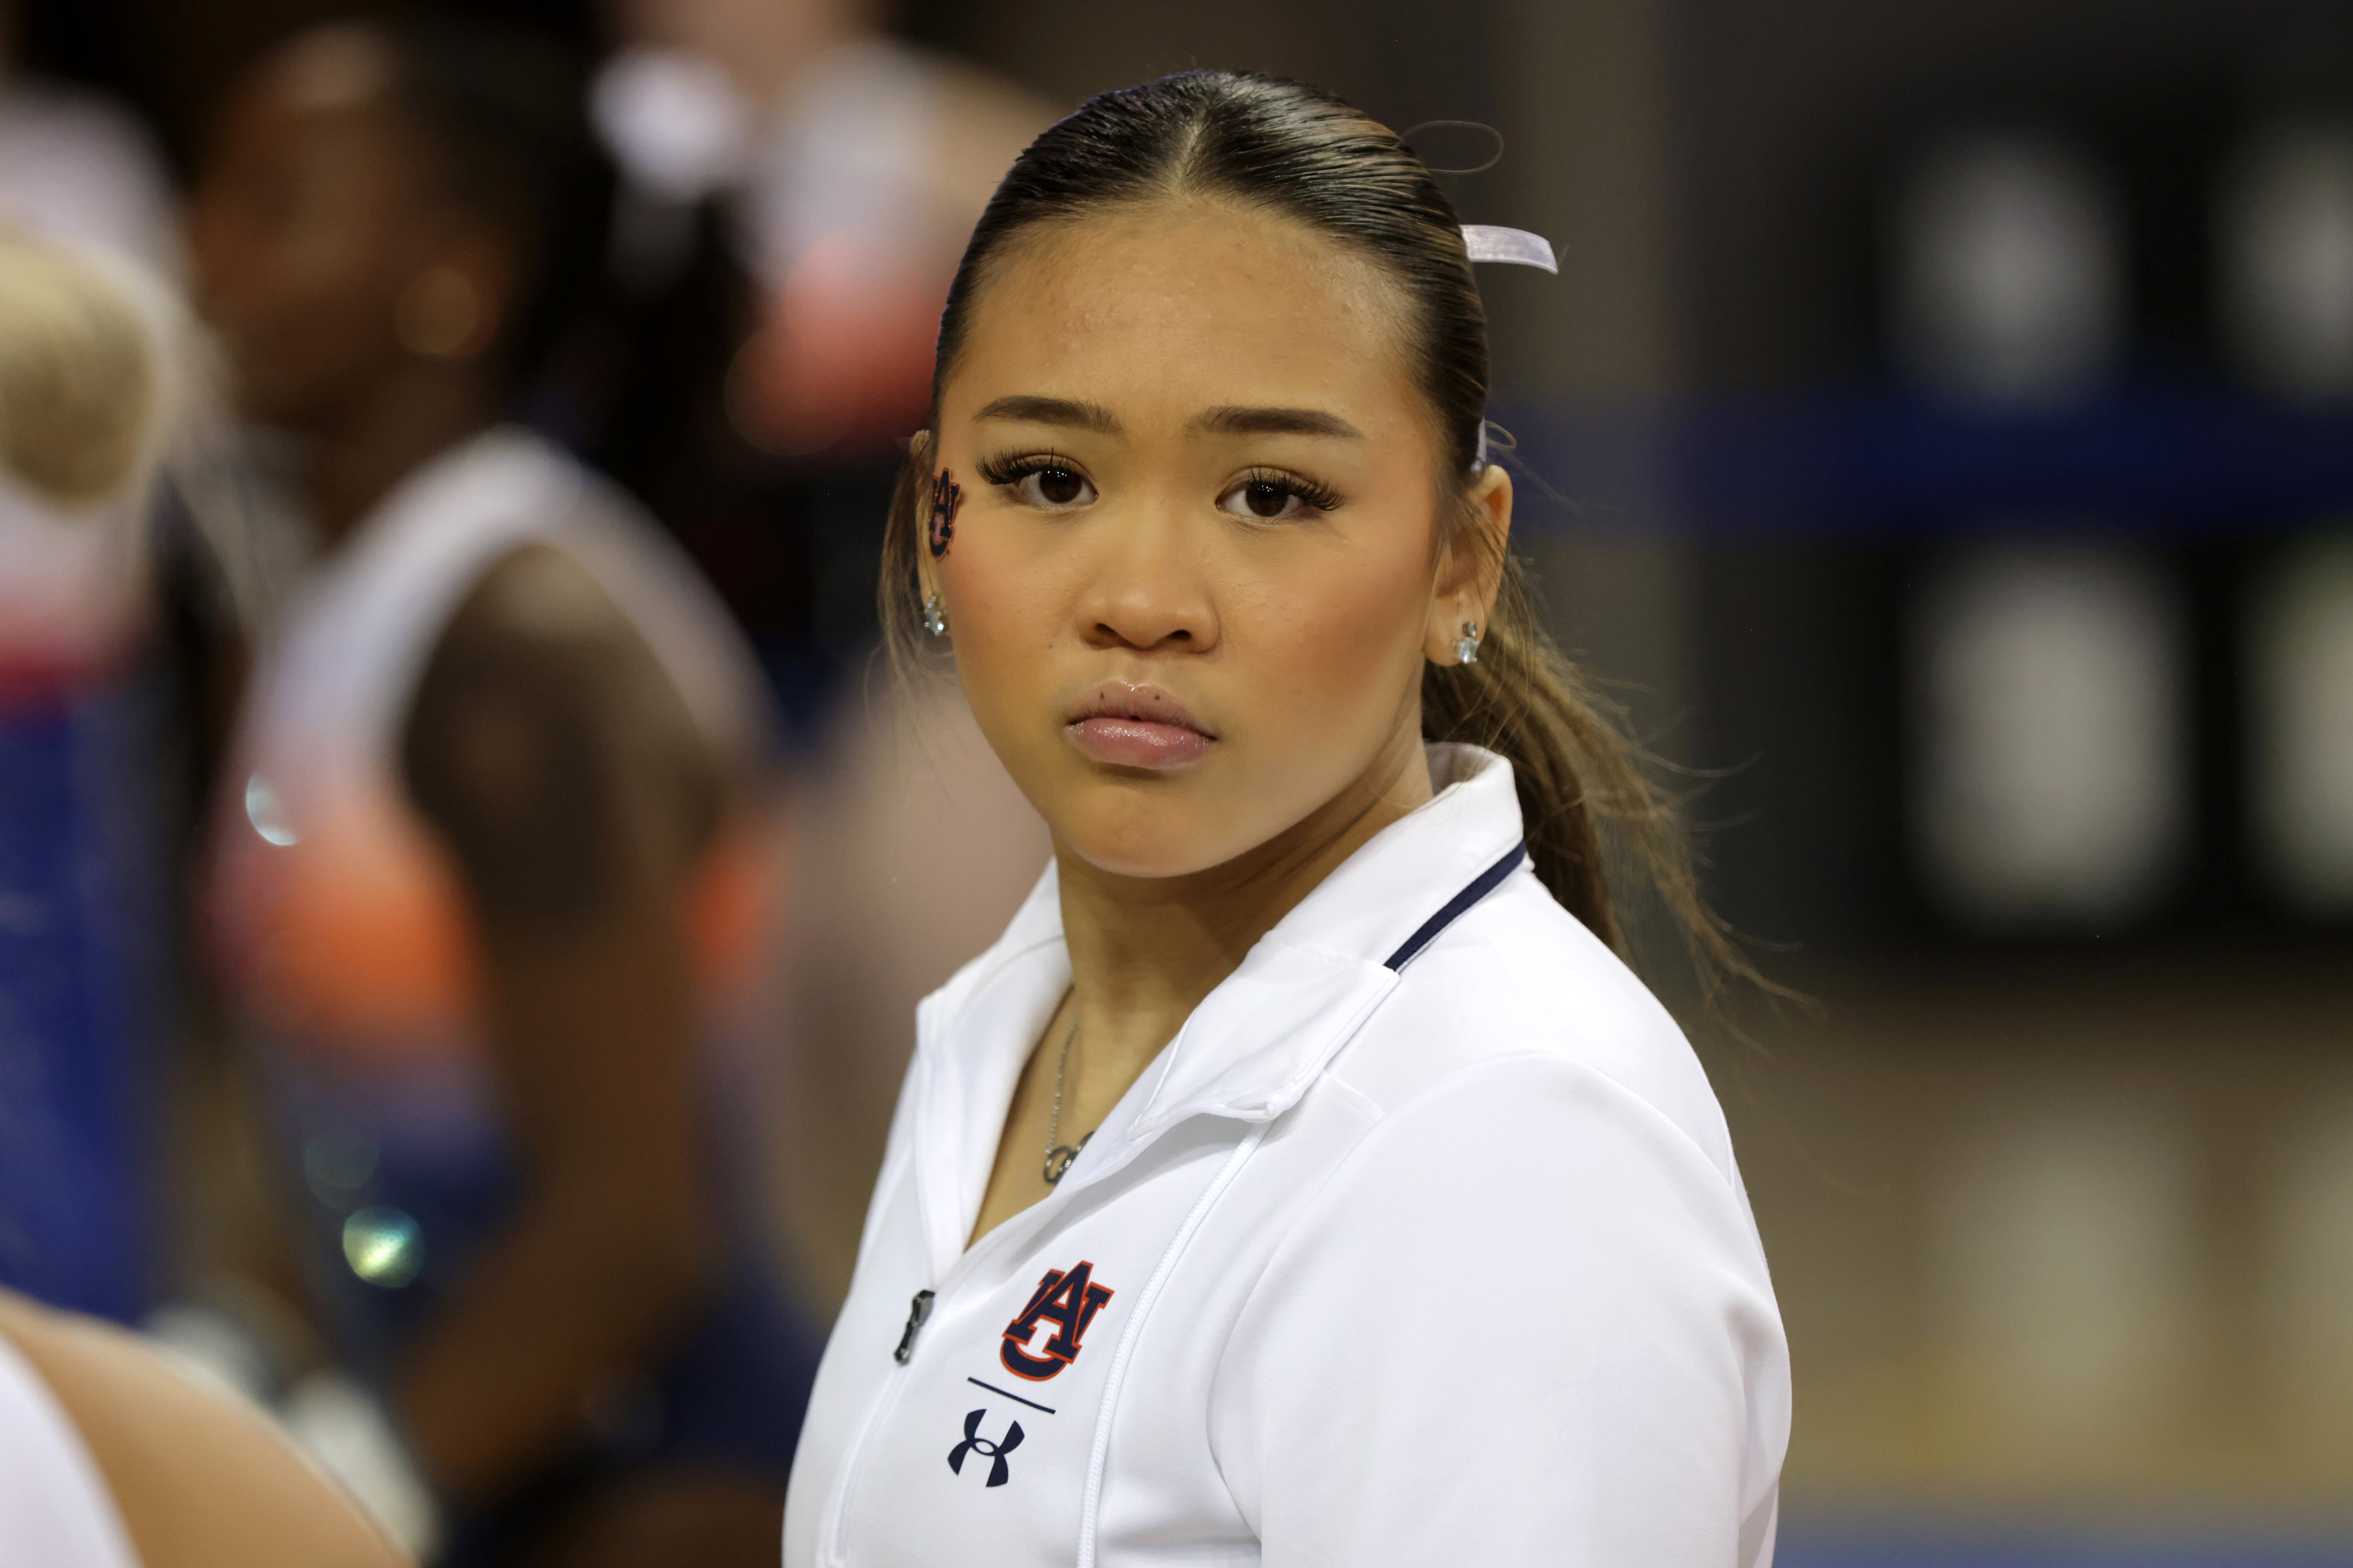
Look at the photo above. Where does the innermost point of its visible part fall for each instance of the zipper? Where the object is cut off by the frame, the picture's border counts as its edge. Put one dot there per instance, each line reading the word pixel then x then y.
pixel 847 1494
pixel 919 1311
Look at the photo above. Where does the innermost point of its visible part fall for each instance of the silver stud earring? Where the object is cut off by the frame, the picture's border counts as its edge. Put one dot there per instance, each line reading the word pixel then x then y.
pixel 1466 651
pixel 935 619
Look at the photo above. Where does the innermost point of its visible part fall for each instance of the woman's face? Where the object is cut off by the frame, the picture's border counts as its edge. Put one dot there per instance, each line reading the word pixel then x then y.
pixel 312 220
pixel 1193 573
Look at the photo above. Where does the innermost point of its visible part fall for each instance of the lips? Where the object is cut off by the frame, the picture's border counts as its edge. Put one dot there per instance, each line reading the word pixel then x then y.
pixel 1124 726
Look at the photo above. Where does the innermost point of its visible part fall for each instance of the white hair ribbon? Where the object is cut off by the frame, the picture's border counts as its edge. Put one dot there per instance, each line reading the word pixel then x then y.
pixel 1485 242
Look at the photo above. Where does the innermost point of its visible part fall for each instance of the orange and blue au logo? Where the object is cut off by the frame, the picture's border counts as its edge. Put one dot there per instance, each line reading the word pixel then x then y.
pixel 1068 1300
pixel 946 496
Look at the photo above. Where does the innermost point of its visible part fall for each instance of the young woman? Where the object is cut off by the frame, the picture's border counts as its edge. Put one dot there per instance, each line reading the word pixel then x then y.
pixel 490 819
pixel 1302 1178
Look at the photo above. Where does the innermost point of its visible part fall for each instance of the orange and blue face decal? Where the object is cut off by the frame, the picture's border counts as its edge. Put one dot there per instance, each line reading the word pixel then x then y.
pixel 947 497
pixel 1068 1300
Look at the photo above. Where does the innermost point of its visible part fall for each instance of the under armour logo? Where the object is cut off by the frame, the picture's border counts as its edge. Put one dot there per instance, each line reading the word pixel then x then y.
pixel 994 1452
pixel 1070 1301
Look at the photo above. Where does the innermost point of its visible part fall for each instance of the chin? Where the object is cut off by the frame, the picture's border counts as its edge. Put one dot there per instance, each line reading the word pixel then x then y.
pixel 1128 839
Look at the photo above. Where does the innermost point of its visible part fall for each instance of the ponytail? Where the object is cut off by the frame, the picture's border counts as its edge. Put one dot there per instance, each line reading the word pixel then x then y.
pixel 1585 802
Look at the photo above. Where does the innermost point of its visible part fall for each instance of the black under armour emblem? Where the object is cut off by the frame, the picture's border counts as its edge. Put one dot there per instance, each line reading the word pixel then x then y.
pixel 973 1443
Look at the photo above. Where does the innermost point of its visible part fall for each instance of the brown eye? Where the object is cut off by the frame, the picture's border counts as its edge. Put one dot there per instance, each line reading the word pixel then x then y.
pixel 1264 501
pixel 1055 489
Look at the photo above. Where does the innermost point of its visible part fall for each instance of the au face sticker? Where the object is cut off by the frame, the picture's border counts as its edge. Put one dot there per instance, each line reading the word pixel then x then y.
pixel 947 497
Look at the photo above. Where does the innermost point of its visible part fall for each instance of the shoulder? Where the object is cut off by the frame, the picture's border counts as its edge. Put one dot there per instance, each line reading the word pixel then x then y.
pixel 539 646
pixel 537 597
pixel 578 595
pixel 1518 992
pixel 199 1479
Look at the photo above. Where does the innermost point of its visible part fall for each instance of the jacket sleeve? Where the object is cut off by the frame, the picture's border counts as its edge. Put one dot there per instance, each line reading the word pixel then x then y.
pixel 1528 1321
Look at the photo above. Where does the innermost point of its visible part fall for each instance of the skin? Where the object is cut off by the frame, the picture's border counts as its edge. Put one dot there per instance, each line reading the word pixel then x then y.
pixel 361 310
pixel 199 1480
pixel 1298 642
pixel 317 220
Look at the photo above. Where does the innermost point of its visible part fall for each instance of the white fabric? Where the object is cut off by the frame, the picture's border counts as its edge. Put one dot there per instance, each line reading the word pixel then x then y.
pixel 1486 242
pixel 55 1508
pixel 847 152
pixel 1443 1264
pixel 672 119
pixel 328 702
pixel 73 166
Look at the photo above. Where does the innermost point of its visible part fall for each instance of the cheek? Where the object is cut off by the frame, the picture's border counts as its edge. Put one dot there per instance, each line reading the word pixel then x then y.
pixel 1333 637
pixel 1007 603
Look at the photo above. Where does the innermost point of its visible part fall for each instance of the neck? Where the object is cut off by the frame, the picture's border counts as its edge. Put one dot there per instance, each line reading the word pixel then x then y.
pixel 1145 950
pixel 353 462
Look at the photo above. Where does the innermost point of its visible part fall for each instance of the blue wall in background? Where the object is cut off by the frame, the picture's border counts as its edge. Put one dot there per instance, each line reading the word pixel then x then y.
pixel 84 945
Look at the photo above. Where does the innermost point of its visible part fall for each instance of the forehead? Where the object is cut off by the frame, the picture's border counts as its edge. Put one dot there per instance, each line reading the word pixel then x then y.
pixel 324 114
pixel 342 70
pixel 1202 302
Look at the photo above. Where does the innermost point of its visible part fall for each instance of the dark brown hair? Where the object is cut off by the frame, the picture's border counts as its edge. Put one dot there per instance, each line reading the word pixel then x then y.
pixel 1283 147
pixel 503 113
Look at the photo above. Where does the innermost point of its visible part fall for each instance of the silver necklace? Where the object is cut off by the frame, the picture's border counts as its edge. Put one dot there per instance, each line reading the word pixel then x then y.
pixel 1060 1155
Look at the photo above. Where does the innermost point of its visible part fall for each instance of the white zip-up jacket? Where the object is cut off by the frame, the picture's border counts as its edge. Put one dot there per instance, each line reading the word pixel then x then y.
pixel 1420 1243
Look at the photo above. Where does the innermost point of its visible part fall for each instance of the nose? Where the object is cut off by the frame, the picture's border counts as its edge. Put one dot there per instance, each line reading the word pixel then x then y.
pixel 1150 592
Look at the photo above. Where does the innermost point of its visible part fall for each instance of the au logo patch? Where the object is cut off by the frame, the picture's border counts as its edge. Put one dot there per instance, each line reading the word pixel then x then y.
pixel 946 496
pixel 1068 1300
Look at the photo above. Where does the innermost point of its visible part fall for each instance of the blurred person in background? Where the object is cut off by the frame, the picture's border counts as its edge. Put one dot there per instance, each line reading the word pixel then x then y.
pixel 74 165
pixel 492 840
pixel 796 188
pixel 800 184
pixel 90 370
pixel 111 1457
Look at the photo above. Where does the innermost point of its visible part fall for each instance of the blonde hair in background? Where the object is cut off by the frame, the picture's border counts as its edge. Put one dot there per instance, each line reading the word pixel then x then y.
pixel 80 379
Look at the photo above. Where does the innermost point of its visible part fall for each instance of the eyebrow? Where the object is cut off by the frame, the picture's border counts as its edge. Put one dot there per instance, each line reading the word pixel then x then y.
pixel 1068 411
pixel 1232 419
pixel 1238 421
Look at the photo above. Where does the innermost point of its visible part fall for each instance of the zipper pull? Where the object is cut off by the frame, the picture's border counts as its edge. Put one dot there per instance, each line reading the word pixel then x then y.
pixel 917 1311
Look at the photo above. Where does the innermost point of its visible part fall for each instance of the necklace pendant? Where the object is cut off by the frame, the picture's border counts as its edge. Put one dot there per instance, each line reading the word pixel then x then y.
pixel 1058 1158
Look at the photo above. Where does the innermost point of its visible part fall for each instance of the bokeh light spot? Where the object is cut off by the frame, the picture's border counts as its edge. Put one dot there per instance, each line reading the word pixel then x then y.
pixel 384 1247
pixel 268 812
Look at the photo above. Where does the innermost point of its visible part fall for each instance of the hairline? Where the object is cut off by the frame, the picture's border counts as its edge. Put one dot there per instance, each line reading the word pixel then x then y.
pixel 1172 191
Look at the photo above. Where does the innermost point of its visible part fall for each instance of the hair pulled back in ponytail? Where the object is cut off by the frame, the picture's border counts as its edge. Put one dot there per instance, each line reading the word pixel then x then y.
pixel 1285 147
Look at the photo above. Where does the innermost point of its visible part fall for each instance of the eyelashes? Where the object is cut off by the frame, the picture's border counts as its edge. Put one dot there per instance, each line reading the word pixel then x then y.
pixel 1043 480
pixel 1310 494
pixel 1007 469
pixel 1052 482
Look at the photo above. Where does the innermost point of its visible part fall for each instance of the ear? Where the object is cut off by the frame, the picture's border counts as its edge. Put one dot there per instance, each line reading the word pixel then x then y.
pixel 1471 567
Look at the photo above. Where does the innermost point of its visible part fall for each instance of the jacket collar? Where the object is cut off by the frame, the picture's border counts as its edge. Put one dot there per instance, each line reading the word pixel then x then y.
pixel 1255 1044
